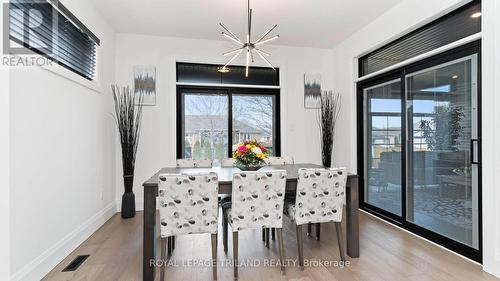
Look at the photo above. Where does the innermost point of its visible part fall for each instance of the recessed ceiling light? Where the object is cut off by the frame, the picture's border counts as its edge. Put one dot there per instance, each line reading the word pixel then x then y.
pixel 475 15
pixel 223 69
pixel 454 76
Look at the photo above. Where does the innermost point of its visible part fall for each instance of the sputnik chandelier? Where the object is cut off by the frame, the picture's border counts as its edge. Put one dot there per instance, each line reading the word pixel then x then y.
pixel 248 47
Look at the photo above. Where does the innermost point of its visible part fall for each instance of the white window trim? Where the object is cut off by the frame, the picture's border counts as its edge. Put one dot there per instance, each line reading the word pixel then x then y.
pixel 94 85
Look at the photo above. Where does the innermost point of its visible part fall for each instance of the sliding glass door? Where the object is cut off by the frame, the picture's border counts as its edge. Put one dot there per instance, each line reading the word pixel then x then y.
pixel 383 118
pixel 443 157
pixel 419 146
pixel 210 120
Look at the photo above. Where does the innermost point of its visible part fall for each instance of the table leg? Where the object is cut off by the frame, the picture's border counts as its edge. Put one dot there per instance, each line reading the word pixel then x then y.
pixel 352 219
pixel 149 234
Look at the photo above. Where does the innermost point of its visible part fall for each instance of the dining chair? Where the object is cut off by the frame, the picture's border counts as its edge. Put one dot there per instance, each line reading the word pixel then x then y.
pixel 274 160
pixel 258 199
pixel 319 199
pixel 227 162
pixel 191 163
pixel 188 205
pixel 283 160
pixel 225 199
pixel 194 163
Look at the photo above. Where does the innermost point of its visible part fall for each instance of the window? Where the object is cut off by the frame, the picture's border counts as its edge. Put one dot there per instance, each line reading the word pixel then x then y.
pixel 459 24
pixel 51 30
pixel 207 73
pixel 211 120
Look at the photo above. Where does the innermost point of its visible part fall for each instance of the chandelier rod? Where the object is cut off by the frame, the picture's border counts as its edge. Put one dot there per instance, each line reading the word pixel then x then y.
pixel 249 22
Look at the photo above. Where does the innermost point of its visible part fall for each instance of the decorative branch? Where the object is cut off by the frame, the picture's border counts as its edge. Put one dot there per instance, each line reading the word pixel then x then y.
pixel 128 117
pixel 330 105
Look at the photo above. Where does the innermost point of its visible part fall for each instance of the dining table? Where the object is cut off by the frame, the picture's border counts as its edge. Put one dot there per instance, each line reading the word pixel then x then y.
pixel 225 177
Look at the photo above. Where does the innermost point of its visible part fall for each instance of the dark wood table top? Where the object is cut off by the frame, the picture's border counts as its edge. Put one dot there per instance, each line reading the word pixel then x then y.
pixel 225 174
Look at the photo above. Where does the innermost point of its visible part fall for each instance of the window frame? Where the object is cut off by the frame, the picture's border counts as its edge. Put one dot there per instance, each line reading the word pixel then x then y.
pixel 230 91
pixel 421 30
pixel 402 221
pixel 73 72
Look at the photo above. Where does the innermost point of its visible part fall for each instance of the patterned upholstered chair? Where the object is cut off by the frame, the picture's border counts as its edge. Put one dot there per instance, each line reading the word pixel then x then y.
pixel 320 199
pixel 258 199
pixel 227 162
pixel 188 204
pixel 279 160
pixel 194 163
pixel 272 160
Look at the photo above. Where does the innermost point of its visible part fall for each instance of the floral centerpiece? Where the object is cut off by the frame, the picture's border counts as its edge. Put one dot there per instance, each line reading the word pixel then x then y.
pixel 250 155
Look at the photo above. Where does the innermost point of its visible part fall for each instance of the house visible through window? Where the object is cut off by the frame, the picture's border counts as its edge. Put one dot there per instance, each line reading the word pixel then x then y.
pixel 211 120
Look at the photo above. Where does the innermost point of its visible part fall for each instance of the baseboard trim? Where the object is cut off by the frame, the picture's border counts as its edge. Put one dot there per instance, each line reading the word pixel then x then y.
pixel 43 264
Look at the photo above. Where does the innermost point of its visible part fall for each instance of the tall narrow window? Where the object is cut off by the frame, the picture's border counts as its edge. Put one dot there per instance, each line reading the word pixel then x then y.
pixel 253 118
pixel 205 124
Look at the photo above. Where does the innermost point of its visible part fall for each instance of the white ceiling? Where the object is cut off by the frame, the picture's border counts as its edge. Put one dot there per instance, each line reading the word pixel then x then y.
pixel 307 23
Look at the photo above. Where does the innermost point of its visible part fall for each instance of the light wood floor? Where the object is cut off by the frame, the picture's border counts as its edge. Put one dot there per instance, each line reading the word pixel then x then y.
pixel 387 253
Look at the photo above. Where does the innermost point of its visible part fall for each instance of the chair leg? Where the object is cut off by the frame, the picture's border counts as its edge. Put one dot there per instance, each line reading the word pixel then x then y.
pixel 235 254
pixel 338 228
pixel 263 235
pixel 300 246
pixel 224 230
pixel 282 250
pixel 318 231
pixel 273 234
pixel 163 258
pixel 267 237
pixel 214 255
pixel 309 229
pixel 169 247
pixel 173 243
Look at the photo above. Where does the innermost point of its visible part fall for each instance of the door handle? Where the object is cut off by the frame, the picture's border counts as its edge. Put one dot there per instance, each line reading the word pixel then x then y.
pixel 475 152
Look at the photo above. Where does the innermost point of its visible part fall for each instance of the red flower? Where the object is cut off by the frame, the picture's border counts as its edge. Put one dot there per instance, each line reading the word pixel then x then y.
pixel 263 149
pixel 242 149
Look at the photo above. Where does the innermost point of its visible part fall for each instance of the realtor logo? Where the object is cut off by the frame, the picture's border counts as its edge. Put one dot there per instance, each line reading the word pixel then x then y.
pixel 29 30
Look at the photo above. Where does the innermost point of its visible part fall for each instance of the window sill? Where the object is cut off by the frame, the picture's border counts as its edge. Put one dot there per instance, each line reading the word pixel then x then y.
pixel 68 74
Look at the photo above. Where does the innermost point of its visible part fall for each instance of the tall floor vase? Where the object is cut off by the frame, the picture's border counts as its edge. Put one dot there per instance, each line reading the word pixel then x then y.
pixel 128 198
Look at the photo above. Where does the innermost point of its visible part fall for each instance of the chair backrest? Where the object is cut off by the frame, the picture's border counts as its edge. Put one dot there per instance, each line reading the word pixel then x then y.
pixel 257 199
pixel 279 160
pixel 320 195
pixel 227 162
pixel 188 203
pixel 194 163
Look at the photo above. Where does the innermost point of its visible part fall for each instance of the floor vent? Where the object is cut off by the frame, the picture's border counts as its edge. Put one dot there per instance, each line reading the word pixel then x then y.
pixel 75 264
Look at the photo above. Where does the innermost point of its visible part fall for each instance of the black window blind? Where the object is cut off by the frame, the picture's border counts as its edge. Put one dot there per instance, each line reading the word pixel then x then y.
pixel 208 73
pixel 440 32
pixel 51 30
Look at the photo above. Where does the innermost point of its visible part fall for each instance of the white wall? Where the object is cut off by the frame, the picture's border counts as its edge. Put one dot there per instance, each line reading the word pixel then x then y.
pixel 300 135
pixel 4 170
pixel 491 135
pixel 407 16
pixel 62 158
